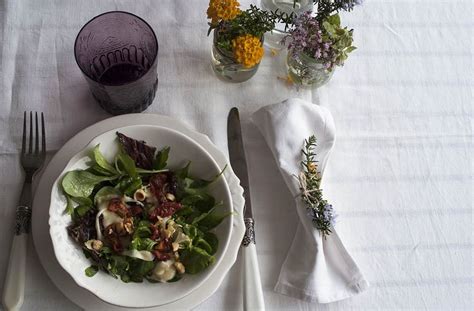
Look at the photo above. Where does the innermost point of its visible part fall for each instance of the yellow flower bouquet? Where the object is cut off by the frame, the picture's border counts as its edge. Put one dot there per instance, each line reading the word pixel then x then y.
pixel 238 37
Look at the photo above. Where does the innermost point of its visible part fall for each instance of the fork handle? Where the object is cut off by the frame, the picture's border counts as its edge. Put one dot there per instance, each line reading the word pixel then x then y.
pixel 14 286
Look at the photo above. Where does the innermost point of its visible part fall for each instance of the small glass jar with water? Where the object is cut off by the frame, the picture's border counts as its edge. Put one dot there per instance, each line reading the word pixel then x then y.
pixel 226 67
pixel 273 38
pixel 307 71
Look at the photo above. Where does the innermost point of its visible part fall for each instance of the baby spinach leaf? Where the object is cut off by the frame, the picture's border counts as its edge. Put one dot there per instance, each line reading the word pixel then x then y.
pixel 200 201
pixel 105 193
pixel 183 172
pixel 190 186
pixel 161 159
pixel 201 243
pixel 213 219
pixel 101 161
pixel 190 230
pixel 81 183
pixel 142 171
pixel 203 183
pixel 142 230
pixel 69 205
pixel 176 278
pixel 97 170
pixel 139 269
pixel 142 244
pixel 126 163
pixel 185 211
pixel 212 240
pixel 129 185
pixel 118 265
pixel 202 216
pixel 81 210
pixel 125 278
pixel 196 259
pixel 82 201
pixel 91 271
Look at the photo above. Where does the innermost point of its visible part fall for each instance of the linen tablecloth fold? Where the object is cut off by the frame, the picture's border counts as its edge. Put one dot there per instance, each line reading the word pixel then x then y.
pixel 316 269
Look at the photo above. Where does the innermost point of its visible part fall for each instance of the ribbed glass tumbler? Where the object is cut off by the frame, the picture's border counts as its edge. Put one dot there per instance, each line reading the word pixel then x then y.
pixel 117 53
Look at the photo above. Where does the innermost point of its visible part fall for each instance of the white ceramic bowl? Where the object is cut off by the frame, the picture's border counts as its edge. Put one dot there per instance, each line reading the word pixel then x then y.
pixel 104 286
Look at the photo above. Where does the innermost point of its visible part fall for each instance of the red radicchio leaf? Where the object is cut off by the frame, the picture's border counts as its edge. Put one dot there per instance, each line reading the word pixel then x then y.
pixel 139 151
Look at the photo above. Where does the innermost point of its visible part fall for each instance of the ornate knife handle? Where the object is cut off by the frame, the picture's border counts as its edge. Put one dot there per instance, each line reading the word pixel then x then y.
pixel 249 236
pixel 23 219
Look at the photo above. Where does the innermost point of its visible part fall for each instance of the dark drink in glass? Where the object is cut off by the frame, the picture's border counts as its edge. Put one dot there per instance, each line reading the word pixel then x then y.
pixel 117 52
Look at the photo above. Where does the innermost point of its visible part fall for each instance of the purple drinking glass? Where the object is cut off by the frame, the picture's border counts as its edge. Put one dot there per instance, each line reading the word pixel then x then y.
pixel 117 52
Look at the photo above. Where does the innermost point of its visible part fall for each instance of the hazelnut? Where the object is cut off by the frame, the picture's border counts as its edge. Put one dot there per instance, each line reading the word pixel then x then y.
pixel 175 246
pixel 110 229
pixel 128 227
pixel 165 233
pixel 179 267
pixel 170 197
pixel 119 227
pixel 97 245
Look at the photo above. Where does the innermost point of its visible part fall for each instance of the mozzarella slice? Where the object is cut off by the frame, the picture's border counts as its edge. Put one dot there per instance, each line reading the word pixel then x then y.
pixel 109 217
pixel 143 255
pixel 164 271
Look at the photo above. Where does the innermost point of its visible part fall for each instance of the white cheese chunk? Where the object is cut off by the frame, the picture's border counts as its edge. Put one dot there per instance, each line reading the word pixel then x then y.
pixel 164 271
pixel 143 255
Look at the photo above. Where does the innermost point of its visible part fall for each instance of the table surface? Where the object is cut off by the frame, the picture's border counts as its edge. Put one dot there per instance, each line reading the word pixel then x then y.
pixel 400 174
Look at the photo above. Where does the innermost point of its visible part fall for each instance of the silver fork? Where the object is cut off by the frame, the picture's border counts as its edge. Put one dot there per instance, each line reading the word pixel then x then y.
pixel 32 159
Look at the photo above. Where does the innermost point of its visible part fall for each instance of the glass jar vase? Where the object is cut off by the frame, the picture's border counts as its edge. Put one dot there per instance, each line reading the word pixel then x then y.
pixel 307 71
pixel 226 67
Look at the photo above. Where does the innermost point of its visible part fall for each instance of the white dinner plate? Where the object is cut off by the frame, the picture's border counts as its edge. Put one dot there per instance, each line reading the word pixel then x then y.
pixel 40 227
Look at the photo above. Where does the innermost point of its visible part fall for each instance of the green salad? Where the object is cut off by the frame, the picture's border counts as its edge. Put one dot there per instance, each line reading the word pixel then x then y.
pixel 137 219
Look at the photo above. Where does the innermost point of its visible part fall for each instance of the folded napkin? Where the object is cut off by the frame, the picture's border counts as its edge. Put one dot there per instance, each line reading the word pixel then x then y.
pixel 316 269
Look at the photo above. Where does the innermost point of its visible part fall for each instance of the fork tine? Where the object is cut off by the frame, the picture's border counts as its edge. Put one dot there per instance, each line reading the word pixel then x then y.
pixel 31 133
pixel 23 140
pixel 37 133
pixel 43 135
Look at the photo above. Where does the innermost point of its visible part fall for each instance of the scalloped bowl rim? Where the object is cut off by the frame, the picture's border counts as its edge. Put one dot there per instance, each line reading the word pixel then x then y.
pixel 222 247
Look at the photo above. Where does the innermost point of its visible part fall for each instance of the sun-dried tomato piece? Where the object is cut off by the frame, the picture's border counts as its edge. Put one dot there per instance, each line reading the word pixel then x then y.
pixel 162 256
pixel 163 250
pixel 155 232
pixel 136 210
pixel 172 183
pixel 113 238
pixel 158 183
pixel 164 209
pixel 117 206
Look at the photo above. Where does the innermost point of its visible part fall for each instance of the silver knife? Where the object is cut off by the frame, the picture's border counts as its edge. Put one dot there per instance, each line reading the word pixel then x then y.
pixel 253 295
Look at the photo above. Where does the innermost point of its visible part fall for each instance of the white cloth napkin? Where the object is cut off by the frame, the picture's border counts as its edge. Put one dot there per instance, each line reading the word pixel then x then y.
pixel 316 269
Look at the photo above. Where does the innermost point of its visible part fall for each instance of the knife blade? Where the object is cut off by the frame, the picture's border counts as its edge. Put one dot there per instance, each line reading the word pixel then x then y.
pixel 253 295
pixel 237 157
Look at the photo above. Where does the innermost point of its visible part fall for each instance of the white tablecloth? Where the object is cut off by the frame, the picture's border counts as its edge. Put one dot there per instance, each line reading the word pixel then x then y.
pixel 400 175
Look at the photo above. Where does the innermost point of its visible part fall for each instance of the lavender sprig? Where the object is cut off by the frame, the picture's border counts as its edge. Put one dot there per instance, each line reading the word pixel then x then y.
pixel 329 7
pixel 324 40
pixel 320 211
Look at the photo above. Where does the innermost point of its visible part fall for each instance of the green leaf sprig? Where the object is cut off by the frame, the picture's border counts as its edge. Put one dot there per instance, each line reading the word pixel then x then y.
pixel 318 208
pixel 253 21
